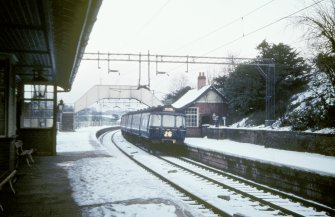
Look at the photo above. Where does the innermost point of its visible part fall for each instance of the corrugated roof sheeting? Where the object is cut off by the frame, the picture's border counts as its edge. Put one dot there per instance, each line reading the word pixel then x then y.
pixel 51 34
pixel 18 12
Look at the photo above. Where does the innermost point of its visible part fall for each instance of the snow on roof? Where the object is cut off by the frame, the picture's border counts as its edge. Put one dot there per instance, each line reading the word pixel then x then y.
pixel 190 96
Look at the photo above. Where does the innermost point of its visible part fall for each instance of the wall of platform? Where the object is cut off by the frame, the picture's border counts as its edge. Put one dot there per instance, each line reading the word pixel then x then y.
pixel 287 140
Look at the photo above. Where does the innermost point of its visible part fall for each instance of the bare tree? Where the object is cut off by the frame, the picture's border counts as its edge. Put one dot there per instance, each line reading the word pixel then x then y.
pixel 179 82
pixel 321 33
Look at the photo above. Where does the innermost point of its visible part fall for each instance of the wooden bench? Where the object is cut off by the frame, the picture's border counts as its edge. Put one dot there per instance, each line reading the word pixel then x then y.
pixel 22 153
pixel 7 176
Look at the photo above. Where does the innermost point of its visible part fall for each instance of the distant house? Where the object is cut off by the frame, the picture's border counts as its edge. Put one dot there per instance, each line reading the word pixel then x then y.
pixel 201 105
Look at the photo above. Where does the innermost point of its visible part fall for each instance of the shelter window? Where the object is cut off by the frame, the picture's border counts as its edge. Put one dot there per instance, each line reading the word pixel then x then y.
pixel 38 107
pixel 155 120
pixel 192 117
pixel 168 120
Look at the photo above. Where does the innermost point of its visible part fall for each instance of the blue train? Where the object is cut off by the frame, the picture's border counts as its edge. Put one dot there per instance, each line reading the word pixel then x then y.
pixel 157 125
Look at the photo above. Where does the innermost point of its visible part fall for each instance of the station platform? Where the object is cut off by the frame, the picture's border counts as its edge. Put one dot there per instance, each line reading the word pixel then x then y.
pixel 306 175
pixel 309 162
pixel 45 188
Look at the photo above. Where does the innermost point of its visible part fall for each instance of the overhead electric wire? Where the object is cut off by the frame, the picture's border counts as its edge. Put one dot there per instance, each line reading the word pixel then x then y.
pixel 150 19
pixel 263 27
pixel 256 30
pixel 153 16
pixel 223 26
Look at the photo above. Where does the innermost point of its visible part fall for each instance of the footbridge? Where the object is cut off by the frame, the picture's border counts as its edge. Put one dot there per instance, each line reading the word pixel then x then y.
pixel 99 92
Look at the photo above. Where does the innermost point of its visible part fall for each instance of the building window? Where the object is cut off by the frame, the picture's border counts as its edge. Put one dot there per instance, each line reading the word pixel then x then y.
pixel 38 106
pixel 192 117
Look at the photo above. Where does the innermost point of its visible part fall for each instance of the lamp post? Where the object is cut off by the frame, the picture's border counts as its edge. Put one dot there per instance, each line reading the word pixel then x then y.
pixel 224 121
pixel 40 90
pixel 40 86
pixel 60 112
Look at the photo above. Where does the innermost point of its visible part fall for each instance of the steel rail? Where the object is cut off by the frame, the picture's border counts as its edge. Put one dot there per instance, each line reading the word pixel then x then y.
pixel 303 201
pixel 178 188
pixel 274 206
pixel 318 207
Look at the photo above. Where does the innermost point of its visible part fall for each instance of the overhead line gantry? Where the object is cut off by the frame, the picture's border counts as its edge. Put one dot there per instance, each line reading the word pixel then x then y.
pixel 265 66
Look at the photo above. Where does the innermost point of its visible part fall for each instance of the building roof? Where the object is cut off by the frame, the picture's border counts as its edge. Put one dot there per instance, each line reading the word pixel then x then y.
pixel 192 95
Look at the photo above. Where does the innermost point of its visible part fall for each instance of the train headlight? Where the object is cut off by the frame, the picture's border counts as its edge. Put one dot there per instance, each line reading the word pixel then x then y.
pixel 168 133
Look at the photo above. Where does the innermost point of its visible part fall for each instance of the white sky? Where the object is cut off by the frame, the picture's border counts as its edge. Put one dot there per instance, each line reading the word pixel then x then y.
pixel 178 27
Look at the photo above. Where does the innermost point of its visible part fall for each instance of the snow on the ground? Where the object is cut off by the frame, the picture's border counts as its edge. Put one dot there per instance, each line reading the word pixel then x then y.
pixel 112 185
pixel 241 125
pixel 196 185
pixel 76 141
pixel 303 161
pixel 115 186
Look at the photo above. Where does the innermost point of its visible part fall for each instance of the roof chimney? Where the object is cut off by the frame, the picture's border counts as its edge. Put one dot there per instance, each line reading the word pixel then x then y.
pixel 201 80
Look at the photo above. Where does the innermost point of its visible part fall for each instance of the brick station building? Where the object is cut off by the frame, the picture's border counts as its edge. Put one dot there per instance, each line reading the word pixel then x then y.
pixel 201 105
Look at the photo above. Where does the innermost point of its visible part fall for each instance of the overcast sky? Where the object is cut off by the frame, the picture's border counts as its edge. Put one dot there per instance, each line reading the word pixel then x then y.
pixel 182 27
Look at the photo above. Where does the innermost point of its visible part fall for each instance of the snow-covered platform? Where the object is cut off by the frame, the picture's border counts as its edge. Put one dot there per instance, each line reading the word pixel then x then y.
pixel 314 163
pixel 45 189
pixel 92 180
pixel 308 175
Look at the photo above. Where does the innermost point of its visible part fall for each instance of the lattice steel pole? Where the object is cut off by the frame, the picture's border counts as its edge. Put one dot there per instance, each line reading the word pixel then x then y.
pixel 270 95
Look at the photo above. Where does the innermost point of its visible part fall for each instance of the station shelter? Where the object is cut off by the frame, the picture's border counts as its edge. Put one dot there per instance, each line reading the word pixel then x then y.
pixel 41 46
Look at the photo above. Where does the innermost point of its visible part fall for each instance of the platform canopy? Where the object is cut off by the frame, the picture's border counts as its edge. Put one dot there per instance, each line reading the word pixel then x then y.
pixel 47 35
pixel 100 92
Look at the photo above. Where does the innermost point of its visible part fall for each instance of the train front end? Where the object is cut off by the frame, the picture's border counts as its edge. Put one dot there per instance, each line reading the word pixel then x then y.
pixel 167 126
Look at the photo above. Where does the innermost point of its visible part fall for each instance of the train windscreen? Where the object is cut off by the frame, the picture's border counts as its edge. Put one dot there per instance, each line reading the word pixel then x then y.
pixel 180 121
pixel 168 120
pixel 155 120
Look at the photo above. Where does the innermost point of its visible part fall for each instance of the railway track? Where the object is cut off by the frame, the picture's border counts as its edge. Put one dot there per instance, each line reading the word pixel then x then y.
pixel 277 200
pixel 248 186
pixel 211 189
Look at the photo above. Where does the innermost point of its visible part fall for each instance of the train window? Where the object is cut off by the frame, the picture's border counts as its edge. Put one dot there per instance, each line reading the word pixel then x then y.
pixel 130 119
pixel 155 120
pixel 168 120
pixel 136 121
pixel 180 121
pixel 144 121
pixel 123 121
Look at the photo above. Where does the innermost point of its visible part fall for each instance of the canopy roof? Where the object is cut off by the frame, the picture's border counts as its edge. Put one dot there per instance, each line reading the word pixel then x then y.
pixel 47 35
pixel 99 92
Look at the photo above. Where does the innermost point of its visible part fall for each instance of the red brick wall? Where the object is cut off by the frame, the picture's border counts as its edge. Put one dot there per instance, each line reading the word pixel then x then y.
pixel 193 131
pixel 206 111
pixel 210 108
